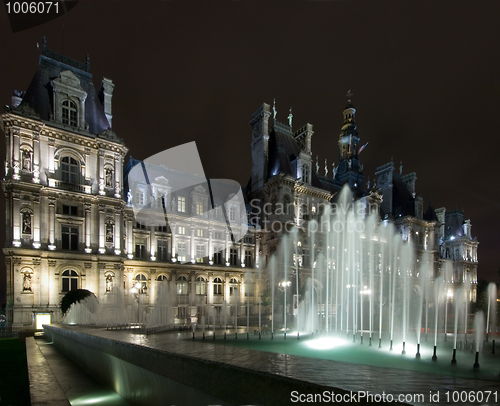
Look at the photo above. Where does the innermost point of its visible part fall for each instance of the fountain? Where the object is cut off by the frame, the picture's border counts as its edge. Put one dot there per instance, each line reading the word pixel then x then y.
pixel 365 284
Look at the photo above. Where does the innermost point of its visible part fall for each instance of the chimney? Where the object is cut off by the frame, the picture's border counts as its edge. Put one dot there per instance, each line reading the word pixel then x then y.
pixel 105 96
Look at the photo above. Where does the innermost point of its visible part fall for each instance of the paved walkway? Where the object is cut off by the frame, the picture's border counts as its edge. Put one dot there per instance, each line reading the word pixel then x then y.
pixel 350 377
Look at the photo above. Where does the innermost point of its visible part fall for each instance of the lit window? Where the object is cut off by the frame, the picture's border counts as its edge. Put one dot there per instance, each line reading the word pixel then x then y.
pixel 217 286
pixel 181 251
pixel 232 214
pixel 200 252
pixel 199 232
pixel 69 170
pixel 199 207
pixel 201 286
pixel 143 281
pixel 181 204
pixel 182 285
pixel 69 280
pixel 233 287
pixel 69 113
pixel 182 230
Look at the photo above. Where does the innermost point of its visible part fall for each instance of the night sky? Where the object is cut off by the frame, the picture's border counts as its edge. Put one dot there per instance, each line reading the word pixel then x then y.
pixel 424 74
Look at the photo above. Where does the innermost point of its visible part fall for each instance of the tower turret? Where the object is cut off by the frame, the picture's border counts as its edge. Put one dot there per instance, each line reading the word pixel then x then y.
pixel 349 169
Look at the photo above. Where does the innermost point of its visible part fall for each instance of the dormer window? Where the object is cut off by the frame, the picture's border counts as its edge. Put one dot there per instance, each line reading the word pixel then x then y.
pixel 69 170
pixel 69 113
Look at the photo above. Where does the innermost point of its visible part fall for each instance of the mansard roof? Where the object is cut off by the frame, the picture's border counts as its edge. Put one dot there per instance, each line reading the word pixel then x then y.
pixel 403 202
pixel 430 214
pixel 283 151
pixel 39 95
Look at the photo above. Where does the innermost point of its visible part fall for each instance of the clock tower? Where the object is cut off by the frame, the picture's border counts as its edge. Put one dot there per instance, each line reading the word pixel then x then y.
pixel 349 169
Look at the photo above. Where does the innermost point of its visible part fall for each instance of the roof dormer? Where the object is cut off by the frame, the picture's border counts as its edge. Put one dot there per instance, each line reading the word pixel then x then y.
pixel 69 101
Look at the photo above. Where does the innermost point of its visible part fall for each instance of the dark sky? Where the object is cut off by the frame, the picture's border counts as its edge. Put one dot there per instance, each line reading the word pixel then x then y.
pixel 425 78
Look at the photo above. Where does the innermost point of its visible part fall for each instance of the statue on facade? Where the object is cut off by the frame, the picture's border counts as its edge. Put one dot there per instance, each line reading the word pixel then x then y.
pixel 317 164
pixel 326 168
pixel 26 223
pixel 290 116
pixel 27 282
pixel 109 177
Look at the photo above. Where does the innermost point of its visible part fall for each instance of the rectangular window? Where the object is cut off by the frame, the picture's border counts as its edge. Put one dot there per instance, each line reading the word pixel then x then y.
pixel 162 250
pixel 71 210
pixel 200 252
pixel 233 256
pixel 199 207
pixel 181 204
pixel 218 212
pixel 218 235
pixel 181 251
pixel 140 248
pixel 140 225
pixel 248 259
pixel 69 238
pixel 218 257
pixel 305 257
pixel 181 230
pixel 232 214
pixel 199 232
pixel 139 197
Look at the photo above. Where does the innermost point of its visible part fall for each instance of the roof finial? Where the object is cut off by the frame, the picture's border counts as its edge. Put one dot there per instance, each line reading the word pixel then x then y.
pixel 274 109
pixel 326 168
pixel 348 95
pixel 290 116
pixel 317 164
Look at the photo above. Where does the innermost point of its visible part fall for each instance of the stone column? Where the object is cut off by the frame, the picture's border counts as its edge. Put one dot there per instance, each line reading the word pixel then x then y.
pixel 152 246
pixel 88 227
pixel 210 287
pixel 193 245
pixel 210 246
pixel 36 157
pixel 100 169
pixel 36 221
pixel 102 231
pixel 226 246
pixel 52 222
pixel 16 219
pixel 118 176
pixel 52 143
pixel 130 238
pixel 172 250
pixel 15 155
pixel 87 164
pixel 118 232
pixel 257 247
pixel 242 253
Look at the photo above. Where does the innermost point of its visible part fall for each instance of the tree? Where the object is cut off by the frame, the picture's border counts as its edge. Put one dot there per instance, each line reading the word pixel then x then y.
pixel 73 296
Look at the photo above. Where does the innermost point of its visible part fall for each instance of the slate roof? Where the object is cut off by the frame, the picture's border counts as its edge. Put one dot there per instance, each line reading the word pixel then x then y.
pixel 39 94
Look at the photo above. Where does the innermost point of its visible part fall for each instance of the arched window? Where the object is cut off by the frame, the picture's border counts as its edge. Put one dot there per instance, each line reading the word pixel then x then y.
pixel 233 287
pixel 141 280
pixel 182 285
pixel 201 286
pixel 162 278
pixel 69 280
pixel 69 170
pixel 69 113
pixel 217 286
